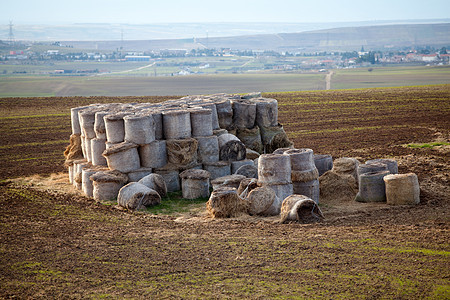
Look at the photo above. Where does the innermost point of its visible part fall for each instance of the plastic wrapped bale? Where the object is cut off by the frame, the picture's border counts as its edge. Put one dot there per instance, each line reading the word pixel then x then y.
pixel 86 183
pixel 336 187
pixel 260 200
pixel 139 129
pixel 218 169
pixel 309 189
pixel 208 149
pixel 87 121
pixel 79 165
pixel 99 124
pixel 107 184
pixel 115 128
pixel 214 117
pixel 136 175
pixel 158 119
pixel 70 169
pixel 182 152
pixel 235 165
pixel 123 157
pixel 155 182
pixel 266 112
pixel 251 154
pixel 247 185
pixel 372 187
pixel 76 128
pixel 224 113
pixel 74 149
pixel 136 196
pixel 232 181
pixel 176 124
pixel 231 148
pixel 171 178
pixel 98 146
pixel 195 183
pixel 402 189
pixel 282 191
pixel 153 155
pixel 301 159
pixel 370 168
pixel 391 164
pixel 225 203
pixel 251 138
pixel 244 113
pixel 346 165
pixel 323 162
pixel 249 171
pixel 274 137
pixel 301 209
pixel 274 169
pixel 201 122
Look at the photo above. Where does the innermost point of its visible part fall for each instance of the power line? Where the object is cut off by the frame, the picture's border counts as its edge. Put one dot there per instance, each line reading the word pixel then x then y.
pixel 11 33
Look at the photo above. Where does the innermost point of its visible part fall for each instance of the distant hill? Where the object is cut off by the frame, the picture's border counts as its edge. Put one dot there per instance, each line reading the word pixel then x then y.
pixel 338 39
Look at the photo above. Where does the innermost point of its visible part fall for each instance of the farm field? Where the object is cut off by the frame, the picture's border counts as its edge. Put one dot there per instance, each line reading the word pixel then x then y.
pixel 57 244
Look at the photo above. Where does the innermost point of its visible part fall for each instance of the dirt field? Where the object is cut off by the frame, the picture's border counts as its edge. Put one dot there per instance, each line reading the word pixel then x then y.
pixel 60 245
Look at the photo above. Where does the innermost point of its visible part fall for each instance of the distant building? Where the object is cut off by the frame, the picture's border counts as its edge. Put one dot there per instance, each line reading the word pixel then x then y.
pixel 429 57
pixel 137 58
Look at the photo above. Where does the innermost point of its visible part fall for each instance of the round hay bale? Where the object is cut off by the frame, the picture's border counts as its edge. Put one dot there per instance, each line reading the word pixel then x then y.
pixel 323 162
pixel 274 137
pixel 281 191
pixel 176 124
pixel 249 171
pixel 244 113
pixel 231 148
pixel 301 209
pixel 123 157
pixel 115 128
pixel 301 159
pixel 307 188
pixel 218 169
pixel 346 165
pixel 266 112
pixel 136 175
pixel 195 183
pixel 70 169
pixel 214 117
pixel 402 189
pixel 391 164
pixel 87 148
pixel 372 187
pixel 225 203
pixel 86 183
pixel 251 154
pixel 171 178
pixel 246 185
pixel 107 184
pixel 79 165
pixel 251 138
pixel 232 181
pixel 158 121
pixel 336 187
pixel 224 113
pixel 260 199
pixel 274 169
pixel 139 129
pixel 136 196
pixel 75 121
pixel 87 121
pixel 153 155
pixel 155 182
pixel 74 149
pixel 99 124
pixel 201 122
pixel 182 152
pixel 373 167
pixel 98 146
pixel 208 149
pixel 235 165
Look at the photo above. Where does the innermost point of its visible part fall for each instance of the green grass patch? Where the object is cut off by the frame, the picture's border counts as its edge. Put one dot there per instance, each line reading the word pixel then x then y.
pixel 427 145
pixel 174 204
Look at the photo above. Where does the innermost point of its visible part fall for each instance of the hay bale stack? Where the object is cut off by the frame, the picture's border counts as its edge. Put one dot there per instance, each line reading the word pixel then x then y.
pixel 155 182
pixel 372 187
pixel 139 129
pixel 391 164
pixel 115 128
pixel 208 149
pixel 153 155
pixel 176 124
pixel 266 112
pixel 201 122
pixel 98 146
pixel 182 152
pixel 136 196
pixel 260 199
pixel 171 178
pixel 301 209
pixel 218 169
pixel 107 184
pixel 244 113
pixel 123 157
pixel 274 137
pixel 195 183
pixel 136 175
pixel 225 203
pixel 224 113
pixel 251 138
pixel 323 162
pixel 231 148
pixel 402 189
pixel 232 181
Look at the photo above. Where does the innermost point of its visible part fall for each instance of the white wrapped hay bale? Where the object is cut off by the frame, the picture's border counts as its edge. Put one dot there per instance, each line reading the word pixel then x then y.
pixel 301 209
pixel 136 175
pixel 225 203
pixel 99 124
pixel 176 124
pixel 249 171
pixel 218 169
pixel 76 128
pixel 244 113
pixel 171 178
pixel 195 183
pixel 266 112
pixel 208 149
pixel 231 148
pixel 372 187
pixel 323 162
pixel 86 183
pixel 391 164
pixel 158 119
pixel 235 165
pixel 232 181
pixel 214 117
pixel 251 138
pixel 372 167
pixel 260 200
pixel 88 149
pixel 224 113
pixel 182 152
pixel 78 166
pixel 139 129
pixel 309 189
pixel 153 155
pixel 201 122
pixel 402 189
pixel 155 182
pixel 98 146
pixel 301 159
pixel 274 169
pixel 274 137
pixel 87 121
pixel 136 196
pixel 107 184
pixel 115 128
pixel 123 157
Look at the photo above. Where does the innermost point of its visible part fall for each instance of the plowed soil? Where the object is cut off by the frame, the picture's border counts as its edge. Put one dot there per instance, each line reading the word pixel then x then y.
pixel 56 243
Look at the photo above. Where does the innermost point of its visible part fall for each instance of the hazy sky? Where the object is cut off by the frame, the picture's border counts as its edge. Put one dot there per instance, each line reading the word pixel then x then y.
pixel 162 11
